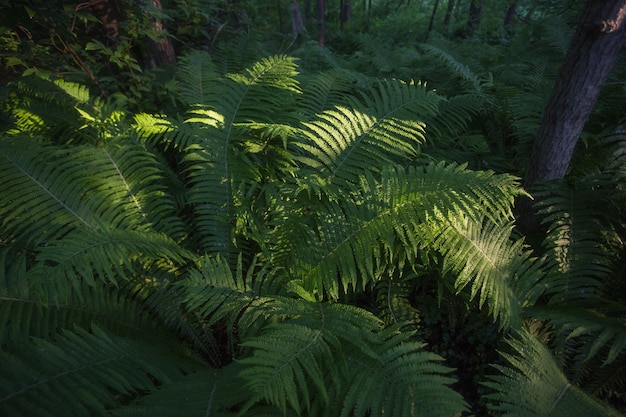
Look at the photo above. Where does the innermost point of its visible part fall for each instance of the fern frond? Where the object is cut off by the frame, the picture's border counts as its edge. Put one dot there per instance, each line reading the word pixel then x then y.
pixel 115 309
pixel 401 380
pixel 398 213
pixel 483 257
pixel 457 68
pixel 592 330
pixel 207 392
pixel 198 78
pixel 82 372
pixel 326 90
pixel 382 130
pixel 575 242
pixel 532 384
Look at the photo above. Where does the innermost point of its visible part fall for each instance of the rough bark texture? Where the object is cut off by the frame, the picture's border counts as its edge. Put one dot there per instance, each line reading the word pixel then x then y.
pixel 592 53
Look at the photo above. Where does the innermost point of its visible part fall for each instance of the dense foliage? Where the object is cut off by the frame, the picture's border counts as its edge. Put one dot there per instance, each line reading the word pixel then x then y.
pixel 271 228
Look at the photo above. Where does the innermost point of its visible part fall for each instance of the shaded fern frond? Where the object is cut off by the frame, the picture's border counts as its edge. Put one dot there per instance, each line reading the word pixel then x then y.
pixel 532 384
pixel 457 68
pixel 575 242
pixel 401 380
pixel 82 372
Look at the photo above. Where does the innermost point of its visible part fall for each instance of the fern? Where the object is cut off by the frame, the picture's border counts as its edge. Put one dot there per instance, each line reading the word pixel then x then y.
pixel 534 373
pixel 383 130
pixel 96 368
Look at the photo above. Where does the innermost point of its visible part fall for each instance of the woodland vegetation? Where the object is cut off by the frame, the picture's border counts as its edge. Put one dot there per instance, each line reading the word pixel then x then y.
pixel 298 208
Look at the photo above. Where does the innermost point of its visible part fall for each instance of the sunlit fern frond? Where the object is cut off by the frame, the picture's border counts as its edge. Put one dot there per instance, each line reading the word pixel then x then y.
pixel 386 127
pixel 385 222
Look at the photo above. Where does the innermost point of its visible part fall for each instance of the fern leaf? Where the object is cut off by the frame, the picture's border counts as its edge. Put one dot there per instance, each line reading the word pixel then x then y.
pixel 397 214
pixel 533 385
pixel 382 130
pixel 81 372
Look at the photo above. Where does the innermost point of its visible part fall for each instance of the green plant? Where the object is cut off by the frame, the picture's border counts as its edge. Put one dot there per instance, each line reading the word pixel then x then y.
pixel 230 259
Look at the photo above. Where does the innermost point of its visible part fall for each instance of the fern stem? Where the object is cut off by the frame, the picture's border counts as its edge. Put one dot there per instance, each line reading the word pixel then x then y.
pixel 563 391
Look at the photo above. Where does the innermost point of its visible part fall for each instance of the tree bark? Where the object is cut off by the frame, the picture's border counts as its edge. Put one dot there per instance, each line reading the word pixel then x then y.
pixel 161 51
pixel 592 53
pixel 593 50
pixel 108 14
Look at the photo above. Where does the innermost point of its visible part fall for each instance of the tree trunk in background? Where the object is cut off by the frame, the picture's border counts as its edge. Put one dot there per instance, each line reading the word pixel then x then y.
pixel 161 51
pixel 448 17
pixel 345 12
pixel 432 19
pixel 473 20
pixel 593 50
pixel 321 22
pixel 108 14
pixel 510 14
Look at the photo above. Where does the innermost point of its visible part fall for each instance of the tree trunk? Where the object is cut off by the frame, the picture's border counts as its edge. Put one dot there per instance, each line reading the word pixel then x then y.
pixel 510 14
pixel 345 12
pixel 321 22
pixel 108 14
pixel 448 17
pixel 593 50
pixel 162 50
pixel 432 19
pixel 473 20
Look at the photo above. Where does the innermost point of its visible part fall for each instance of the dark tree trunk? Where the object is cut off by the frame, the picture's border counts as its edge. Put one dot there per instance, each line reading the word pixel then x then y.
pixel 510 14
pixel 448 17
pixel 473 20
pixel 432 19
pixel 593 50
pixel 321 22
pixel 162 50
pixel 345 12
pixel 108 14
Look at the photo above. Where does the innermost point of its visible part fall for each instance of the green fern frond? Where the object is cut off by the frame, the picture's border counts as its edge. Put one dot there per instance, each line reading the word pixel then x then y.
pixel 326 90
pixel 385 128
pixel 483 257
pixel 95 257
pixel 532 384
pixel 457 68
pixel 82 373
pixel 402 379
pixel 400 214
pixel 115 309
pixel 198 78
pixel 575 242
pixel 592 330
pixel 209 392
